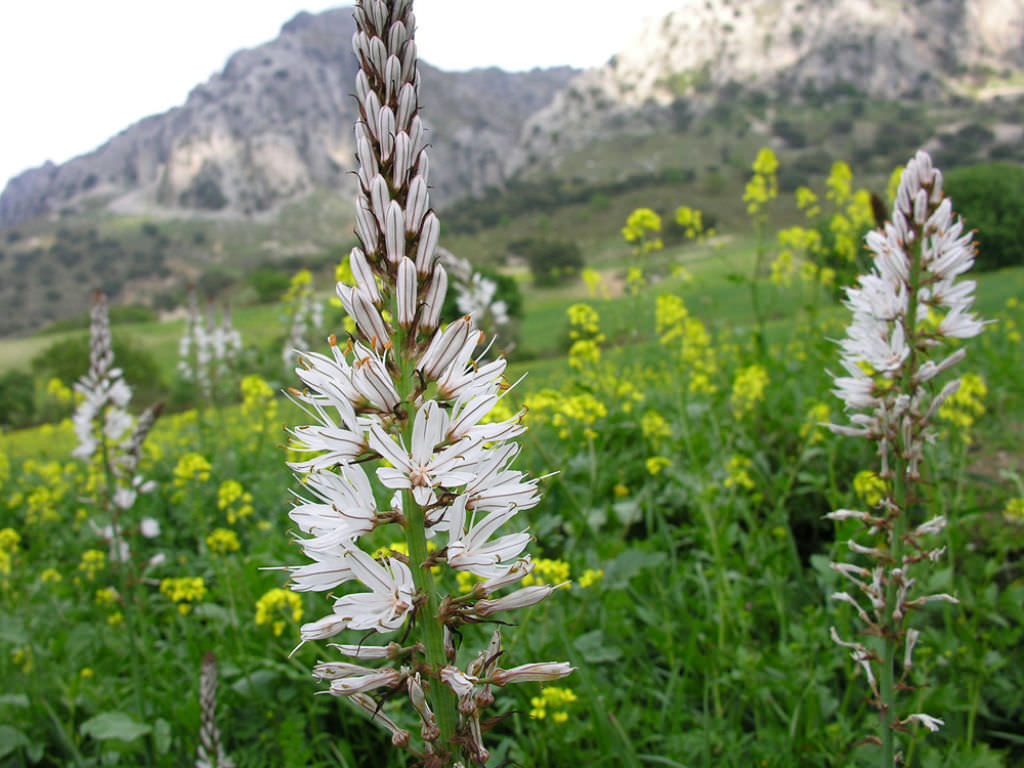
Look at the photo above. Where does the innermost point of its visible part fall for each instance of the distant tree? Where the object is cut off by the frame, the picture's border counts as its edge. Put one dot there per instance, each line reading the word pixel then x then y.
pixel 17 399
pixel 990 197
pixel 68 360
pixel 551 261
pixel 269 284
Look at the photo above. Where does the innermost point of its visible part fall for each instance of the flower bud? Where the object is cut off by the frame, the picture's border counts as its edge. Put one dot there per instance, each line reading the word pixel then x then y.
pixel 541 672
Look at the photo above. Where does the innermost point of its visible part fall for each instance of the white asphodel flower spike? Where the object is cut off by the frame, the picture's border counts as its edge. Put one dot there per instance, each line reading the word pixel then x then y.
pixel 904 313
pixel 402 406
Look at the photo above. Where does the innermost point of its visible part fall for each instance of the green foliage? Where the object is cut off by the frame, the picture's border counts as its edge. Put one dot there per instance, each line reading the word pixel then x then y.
pixel 17 399
pixel 121 314
pixel 990 197
pixel 68 360
pixel 508 291
pixel 215 281
pixel 551 261
pixel 269 284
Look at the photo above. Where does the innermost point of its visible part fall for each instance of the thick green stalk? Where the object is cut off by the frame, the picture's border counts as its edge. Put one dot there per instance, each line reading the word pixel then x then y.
pixel 892 628
pixel 442 698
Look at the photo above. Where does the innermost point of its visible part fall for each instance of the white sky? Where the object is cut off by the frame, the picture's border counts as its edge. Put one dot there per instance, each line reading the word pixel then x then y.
pixel 74 72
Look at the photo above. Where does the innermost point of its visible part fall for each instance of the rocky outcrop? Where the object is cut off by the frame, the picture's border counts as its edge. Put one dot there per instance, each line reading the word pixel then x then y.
pixel 277 122
pixel 885 49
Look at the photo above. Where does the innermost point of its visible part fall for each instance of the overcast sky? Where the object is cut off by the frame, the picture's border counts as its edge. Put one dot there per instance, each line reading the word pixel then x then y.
pixel 75 72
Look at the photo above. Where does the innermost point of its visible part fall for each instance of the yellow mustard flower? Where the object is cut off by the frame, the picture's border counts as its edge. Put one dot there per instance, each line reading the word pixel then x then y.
pixel 748 389
pixel 555 699
pixel 655 464
pixel 191 466
pixel 869 487
pixel 275 604
pixel 184 590
pixel 963 407
pixel 222 541
pixel 93 561
pixel 1014 512
pixel 738 473
pixel 547 571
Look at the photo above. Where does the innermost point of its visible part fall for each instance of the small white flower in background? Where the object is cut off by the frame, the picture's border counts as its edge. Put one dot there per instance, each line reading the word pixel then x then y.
pixel 149 527
pixel 303 311
pixel 893 351
pixel 475 294
pixel 411 396
pixel 107 432
pixel 207 350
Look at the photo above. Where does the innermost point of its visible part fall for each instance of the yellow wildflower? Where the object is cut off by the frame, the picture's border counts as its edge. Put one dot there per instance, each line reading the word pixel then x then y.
pixel 547 571
pixel 654 426
pixel 222 541
pixel 584 322
pixel 184 590
pixel 748 389
pixel 93 561
pixel 1014 512
pixel 555 699
pixel 817 414
pixel 869 487
pixel 642 227
pixel 191 466
pixel 9 539
pixel 595 283
pixel 807 202
pixel 657 463
pixel 277 603
pixel 584 353
pixel 738 473
pixel 963 407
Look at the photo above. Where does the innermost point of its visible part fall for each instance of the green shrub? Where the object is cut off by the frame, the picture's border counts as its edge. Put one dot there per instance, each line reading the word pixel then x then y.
pixel 68 360
pixel 551 261
pixel 17 399
pixel 269 284
pixel 990 197
pixel 119 315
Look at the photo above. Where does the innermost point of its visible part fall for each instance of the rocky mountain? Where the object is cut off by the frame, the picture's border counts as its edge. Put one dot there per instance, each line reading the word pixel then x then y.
pixel 276 123
pixel 885 49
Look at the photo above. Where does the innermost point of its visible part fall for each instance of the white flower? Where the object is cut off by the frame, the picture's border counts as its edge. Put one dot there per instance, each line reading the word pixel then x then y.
pixel 472 550
pixel 149 527
pixel 540 672
pixel 421 469
pixel 345 510
pixel 521 598
pixel 329 569
pixel 383 608
pixel 931 723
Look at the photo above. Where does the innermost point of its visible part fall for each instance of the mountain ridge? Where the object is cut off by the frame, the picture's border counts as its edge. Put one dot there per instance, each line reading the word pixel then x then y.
pixel 275 123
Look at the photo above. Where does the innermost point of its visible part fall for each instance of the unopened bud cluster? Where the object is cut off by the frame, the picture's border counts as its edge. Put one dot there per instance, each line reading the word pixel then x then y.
pixel 412 396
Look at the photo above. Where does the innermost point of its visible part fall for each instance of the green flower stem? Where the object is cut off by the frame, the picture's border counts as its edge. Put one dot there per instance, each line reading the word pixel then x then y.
pixel 442 698
pixel 893 629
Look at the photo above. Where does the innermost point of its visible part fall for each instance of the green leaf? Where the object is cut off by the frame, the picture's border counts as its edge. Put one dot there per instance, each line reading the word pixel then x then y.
pixel 113 725
pixel 258 683
pixel 594 651
pixel 162 736
pixel 11 739
pixel 13 700
pixel 212 611
pixel 629 564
